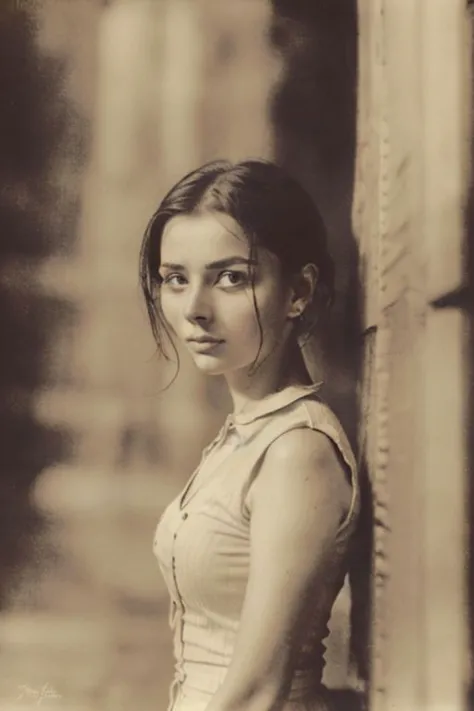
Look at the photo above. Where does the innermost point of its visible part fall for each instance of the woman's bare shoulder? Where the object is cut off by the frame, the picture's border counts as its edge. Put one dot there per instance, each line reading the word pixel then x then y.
pixel 302 445
pixel 305 464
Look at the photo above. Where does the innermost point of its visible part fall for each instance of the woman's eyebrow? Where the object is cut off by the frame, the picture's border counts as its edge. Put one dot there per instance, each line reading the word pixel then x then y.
pixel 230 262
pixel 172 265
pixel 219 264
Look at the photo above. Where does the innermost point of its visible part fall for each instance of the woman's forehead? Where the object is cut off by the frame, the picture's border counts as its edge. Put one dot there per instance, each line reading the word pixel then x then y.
pixel 203 235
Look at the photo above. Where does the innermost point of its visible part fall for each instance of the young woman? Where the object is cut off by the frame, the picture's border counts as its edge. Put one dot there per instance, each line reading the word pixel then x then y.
pixel 254 551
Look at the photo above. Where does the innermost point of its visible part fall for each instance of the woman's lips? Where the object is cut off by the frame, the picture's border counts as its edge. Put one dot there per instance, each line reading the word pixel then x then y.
pixel 203 344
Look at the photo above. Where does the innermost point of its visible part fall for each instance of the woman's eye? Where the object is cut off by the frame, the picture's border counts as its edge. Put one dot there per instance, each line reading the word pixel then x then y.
pixel 232 278
pixel 173 280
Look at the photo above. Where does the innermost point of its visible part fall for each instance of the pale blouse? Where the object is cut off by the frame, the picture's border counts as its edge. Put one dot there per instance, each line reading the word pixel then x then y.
pixel 202 545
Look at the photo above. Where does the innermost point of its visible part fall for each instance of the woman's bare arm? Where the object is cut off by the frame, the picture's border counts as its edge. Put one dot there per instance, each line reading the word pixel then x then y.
pixel 297 502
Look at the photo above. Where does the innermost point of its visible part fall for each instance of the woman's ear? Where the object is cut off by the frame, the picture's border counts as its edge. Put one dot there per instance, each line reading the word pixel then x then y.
pixel 304 285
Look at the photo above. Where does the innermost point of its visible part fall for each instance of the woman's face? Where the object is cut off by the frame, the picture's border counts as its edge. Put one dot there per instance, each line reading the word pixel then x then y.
pixel 207 297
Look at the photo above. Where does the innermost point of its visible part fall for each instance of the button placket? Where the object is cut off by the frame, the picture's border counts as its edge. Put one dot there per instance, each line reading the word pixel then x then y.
pixel 180 675
pixel 189 491
pixel 191 488
pixel 205 453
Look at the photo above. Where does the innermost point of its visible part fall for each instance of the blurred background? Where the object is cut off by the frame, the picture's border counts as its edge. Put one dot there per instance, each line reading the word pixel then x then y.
pixel 105 103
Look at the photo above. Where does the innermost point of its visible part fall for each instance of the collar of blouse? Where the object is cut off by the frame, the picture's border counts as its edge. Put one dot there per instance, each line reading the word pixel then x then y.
pixel 272 403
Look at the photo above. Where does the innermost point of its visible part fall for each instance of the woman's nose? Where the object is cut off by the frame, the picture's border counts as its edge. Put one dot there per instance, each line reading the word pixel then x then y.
pixel 198 306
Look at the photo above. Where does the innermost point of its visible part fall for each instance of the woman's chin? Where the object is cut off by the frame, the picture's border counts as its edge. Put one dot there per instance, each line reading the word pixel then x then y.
pixel 209 365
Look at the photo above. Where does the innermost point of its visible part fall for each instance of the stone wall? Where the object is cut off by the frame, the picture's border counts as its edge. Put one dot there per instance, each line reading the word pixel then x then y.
pixel 411 192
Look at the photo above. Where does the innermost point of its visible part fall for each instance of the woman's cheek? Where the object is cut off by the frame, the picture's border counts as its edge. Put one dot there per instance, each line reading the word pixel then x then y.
pixel 241 316
pixel 170 311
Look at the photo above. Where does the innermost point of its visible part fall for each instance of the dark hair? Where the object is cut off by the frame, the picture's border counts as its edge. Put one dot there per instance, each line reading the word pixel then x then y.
pixel 273 210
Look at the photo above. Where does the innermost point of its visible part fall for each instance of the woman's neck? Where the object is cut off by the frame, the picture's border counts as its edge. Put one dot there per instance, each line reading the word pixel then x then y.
pixel 278 371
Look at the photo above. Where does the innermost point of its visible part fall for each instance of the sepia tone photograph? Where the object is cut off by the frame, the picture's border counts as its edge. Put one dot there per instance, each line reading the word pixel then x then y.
pixel 237 355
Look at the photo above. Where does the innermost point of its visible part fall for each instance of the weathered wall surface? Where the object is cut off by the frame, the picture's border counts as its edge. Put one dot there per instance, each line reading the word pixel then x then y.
pixel 411 193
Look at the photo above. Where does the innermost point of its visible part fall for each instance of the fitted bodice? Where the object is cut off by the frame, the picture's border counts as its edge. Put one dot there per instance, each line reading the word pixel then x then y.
pixel 202 543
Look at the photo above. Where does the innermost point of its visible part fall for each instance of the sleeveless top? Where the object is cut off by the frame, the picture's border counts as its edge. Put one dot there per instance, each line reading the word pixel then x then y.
pixel 202 545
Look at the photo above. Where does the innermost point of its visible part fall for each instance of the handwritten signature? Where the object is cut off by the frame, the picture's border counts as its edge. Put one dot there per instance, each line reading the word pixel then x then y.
pixel 36 695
